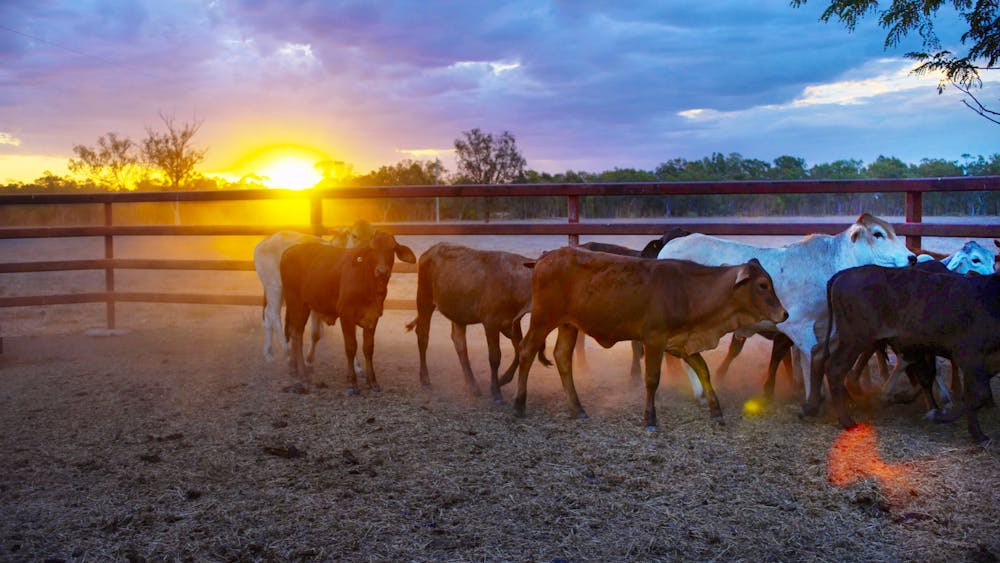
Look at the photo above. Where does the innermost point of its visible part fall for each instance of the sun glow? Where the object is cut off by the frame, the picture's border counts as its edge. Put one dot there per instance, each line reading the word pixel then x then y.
pixel 282 166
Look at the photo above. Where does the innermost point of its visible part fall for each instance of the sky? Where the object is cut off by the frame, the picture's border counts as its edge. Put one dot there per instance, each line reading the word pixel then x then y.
pixel 582 85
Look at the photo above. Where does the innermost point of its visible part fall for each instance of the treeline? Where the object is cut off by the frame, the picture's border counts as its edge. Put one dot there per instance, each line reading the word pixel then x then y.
pixel 717 167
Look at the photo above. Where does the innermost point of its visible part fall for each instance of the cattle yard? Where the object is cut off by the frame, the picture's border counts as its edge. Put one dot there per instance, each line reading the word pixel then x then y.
pixel 172 438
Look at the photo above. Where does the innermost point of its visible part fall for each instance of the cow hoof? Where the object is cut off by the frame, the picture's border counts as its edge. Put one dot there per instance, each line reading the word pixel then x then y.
pixel 498 400
pixel 718 420
pixel 352 392
pixel 651 428
pixel 322 385
pixel 581 415
pixel 376 388
pixel 808 411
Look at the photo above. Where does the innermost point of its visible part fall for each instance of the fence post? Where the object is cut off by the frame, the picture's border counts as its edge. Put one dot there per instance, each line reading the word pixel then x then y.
pixel 914 214
pixel 573 216
pixel 109 272
pixel 316 214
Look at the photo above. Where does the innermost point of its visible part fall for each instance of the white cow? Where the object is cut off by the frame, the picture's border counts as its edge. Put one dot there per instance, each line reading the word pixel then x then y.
pixel 800 271
pixel 266 261
pixel 972 257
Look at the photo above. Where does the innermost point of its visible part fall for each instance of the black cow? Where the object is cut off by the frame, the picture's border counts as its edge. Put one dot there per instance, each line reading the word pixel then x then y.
pixel 920 315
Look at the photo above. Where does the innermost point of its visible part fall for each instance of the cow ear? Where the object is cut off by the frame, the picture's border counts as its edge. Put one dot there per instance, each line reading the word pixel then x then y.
pixel 405 254
pixel 743 275
pixel 855 233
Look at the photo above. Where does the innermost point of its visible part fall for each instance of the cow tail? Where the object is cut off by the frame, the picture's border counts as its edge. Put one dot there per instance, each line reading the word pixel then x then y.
pixel 829 326
pixel 412 324
pixel 541 356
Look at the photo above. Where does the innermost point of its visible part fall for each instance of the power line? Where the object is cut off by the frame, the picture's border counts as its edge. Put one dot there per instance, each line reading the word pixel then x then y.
pixel 78 52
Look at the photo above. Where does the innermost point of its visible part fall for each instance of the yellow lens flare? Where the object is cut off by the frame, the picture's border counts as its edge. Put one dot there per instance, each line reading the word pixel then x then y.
pixel 752 407
pixel 285 166
pixel 292 172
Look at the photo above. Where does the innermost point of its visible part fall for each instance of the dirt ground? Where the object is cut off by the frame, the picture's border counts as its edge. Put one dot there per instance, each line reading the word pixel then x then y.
pixel 176 442
pixel 173 440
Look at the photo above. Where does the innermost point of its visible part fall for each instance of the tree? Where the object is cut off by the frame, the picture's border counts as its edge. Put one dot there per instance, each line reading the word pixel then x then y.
pixel 482 158
pixel 404 173
pixel 172 152
pixel 902 17
pixel 113 162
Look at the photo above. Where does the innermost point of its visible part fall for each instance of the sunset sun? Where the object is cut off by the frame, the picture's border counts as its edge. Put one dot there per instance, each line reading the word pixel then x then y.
pixel 283 166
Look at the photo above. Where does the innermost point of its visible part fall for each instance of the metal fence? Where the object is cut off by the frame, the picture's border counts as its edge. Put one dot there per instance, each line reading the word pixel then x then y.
pixel 572 227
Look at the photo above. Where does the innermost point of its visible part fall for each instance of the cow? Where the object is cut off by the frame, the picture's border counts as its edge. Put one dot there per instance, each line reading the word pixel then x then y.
pixel 672 306
pixel 651 249
pixel 800 271
pixel 266 259
pixel 339 283
pixel 470 286
pixel 919 314
pixel 970 258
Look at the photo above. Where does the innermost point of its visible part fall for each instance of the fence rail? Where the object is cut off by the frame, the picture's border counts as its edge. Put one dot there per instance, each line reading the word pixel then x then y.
pixel 572 226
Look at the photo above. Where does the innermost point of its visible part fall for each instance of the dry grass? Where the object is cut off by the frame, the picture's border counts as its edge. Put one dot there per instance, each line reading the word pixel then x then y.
pixel 175 442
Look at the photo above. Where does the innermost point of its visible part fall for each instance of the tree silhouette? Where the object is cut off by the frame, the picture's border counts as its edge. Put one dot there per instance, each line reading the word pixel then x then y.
pixel 172 152
pixel 902 17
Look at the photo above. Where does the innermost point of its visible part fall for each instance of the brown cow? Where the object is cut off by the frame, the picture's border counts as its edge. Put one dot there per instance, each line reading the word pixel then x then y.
pixel 349 284
pixel 670 306
pixel 469 286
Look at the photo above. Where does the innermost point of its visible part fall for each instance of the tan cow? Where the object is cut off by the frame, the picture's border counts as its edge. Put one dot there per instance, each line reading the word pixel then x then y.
pixel 670 306
pixel 349 284
pixel 470 286
pixel 266 259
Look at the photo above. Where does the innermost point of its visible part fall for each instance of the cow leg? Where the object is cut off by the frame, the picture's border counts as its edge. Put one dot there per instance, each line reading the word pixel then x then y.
pixel 977 395
pixel 859 369
pixel 526 352
pixel 563 353
pixel 636 370
pixel 296 317
pixel 781 348
pixel 838 364
pixel 493 347
pixel 272 321
pixel 516 337
pixel 461 348
pixel 736 344
pixel 369 350
pixel 350 352
pixel 425 309
pixel 699 366
pixel 316 324
pixel 654 359
pixel 581 352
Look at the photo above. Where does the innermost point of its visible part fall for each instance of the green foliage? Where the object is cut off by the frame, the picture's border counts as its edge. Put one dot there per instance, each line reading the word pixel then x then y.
pixel 482 158
pixel 903 17
pixel 172 152
pixel 114 162
pixel 403 173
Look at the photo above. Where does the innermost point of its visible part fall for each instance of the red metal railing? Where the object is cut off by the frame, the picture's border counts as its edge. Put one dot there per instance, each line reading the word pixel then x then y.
pixel 913 228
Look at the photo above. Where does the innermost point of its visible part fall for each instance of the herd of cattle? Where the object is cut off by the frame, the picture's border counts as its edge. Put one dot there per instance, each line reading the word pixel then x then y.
pixel 828 303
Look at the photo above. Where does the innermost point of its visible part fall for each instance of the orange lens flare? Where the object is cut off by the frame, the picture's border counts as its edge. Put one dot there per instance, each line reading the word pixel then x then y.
pixel 854 457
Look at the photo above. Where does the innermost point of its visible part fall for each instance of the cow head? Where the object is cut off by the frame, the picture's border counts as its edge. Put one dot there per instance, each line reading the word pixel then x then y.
pixel 972 258
pixel 359 234
pixel 356 235
pixel 756 282
pixel 875 242
pixel 380 254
